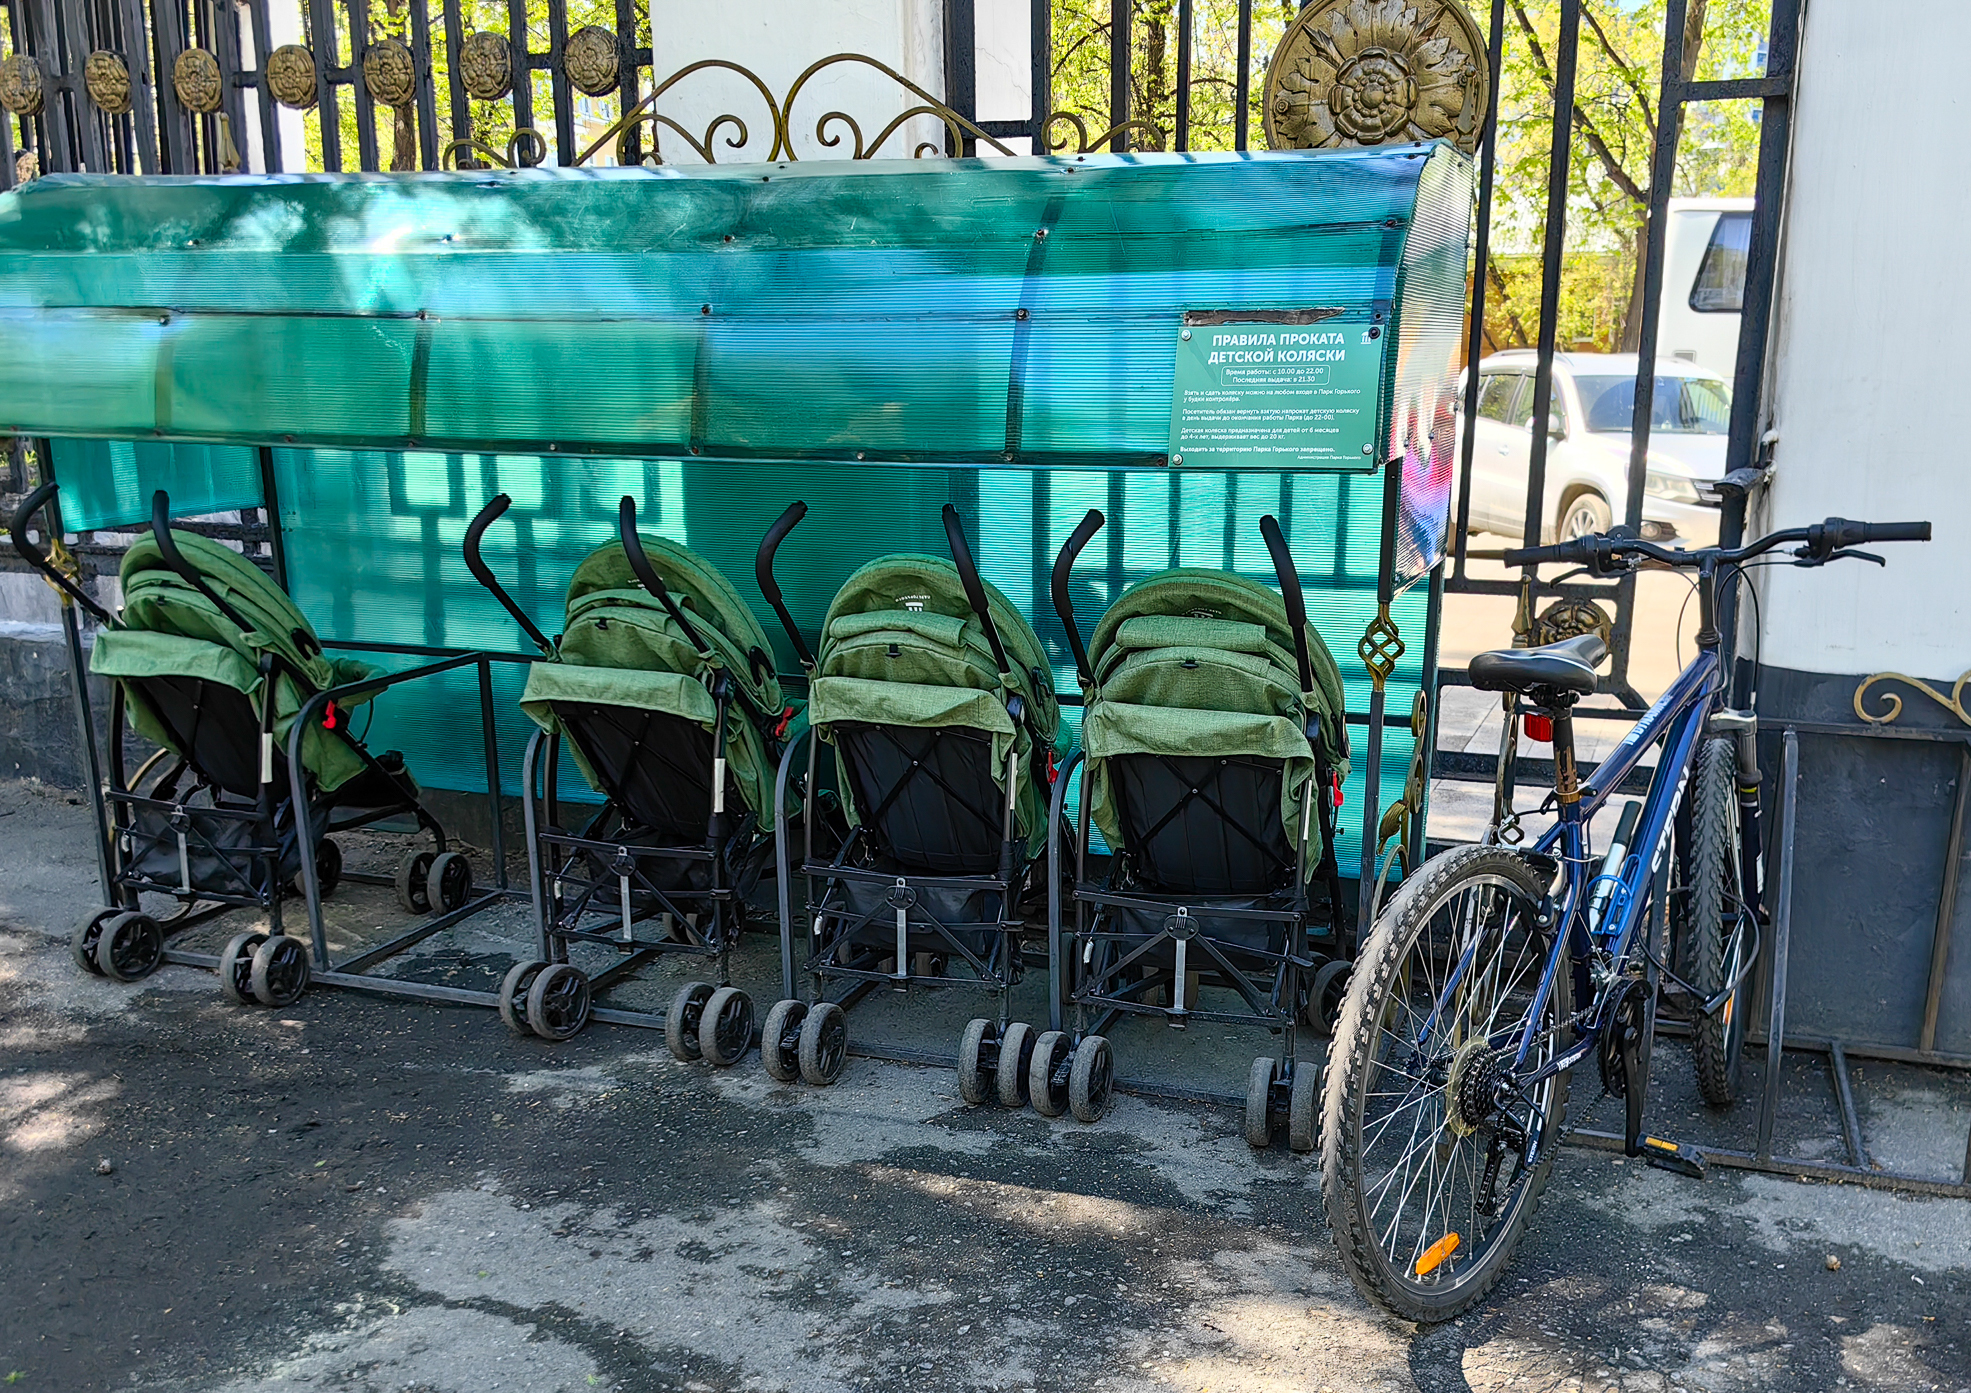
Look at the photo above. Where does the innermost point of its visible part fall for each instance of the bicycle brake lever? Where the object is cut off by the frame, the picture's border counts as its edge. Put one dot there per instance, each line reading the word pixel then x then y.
pixel 1858 555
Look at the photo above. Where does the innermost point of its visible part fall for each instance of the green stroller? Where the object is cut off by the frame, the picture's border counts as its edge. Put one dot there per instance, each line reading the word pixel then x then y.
pixel 663 691
pixel 1215 742
pixel 212 662
pixel 937 701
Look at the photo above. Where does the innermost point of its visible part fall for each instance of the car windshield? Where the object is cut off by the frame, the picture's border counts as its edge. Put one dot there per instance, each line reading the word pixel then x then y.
pixel 1690 405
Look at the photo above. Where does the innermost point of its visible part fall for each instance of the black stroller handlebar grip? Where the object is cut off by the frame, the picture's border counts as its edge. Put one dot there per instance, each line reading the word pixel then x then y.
pixel 38 559
pixel 1084 531
pixel 647 575
pixel 494 510
pixel 968 573
pixel 769 587
pixel 167 545
pixel 1289 576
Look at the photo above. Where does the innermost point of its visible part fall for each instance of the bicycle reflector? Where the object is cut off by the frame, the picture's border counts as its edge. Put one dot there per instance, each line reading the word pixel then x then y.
pixel 1539 727
pixel 1433 1256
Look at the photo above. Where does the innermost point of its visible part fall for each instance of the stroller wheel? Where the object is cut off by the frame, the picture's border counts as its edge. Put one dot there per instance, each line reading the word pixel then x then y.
pixel 725 1027
pixel 280 971
pixel 82 943
pixel 780 1040
pixel 236 966
pixel 129 946
pixel 513 996
pixel 1304 1113
pixel 1092 1081
pixel 824 1043
pixel 1047 1090
pixel 1323 1011
pixel 447 882
pixel 558 1001
pixel 411 873
pixel 328 870
pixel 681 1022
pixel 973 1085
pixel 1259 1102
pixel 1015 1058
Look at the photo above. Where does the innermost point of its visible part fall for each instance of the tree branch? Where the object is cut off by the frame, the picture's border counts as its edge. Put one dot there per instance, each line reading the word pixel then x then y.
pixel 1622 66
pixel 1612 166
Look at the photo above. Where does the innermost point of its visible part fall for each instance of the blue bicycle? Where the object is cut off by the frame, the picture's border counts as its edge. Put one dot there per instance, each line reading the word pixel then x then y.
pixel 1494 971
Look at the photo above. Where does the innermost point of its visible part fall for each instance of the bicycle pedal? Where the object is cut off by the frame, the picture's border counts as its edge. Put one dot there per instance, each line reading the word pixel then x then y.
pixel 1669 1156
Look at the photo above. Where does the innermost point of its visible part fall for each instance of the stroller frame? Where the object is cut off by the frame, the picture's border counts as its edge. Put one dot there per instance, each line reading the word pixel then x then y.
pixel 841 964
pixel 1106 971
pixel 123 942
pixel 598 884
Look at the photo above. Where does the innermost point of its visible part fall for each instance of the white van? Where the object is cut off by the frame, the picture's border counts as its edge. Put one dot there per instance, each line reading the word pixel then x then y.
pixel 1704 282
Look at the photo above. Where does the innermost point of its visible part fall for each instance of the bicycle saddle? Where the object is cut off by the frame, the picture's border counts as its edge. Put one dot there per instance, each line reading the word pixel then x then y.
pixel 1567 666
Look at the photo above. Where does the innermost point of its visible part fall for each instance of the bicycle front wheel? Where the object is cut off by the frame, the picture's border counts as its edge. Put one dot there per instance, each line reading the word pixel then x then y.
pixel 1717 921
pixel 1433 1156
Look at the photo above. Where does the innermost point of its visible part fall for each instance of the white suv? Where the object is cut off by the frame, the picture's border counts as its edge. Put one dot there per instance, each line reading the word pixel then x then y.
pixel 1588 446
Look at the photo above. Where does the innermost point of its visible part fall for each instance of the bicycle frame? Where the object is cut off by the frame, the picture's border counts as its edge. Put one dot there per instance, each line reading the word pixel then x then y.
pixel 1677 720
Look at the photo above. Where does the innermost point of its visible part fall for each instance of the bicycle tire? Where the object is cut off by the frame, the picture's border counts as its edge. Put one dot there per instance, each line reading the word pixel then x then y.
pixel 1347 1182
pixel 1713 923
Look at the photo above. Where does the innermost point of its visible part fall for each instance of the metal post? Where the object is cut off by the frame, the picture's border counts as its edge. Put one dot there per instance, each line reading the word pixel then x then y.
pixel 1040 30
pixel 1488 150
pixel 1662 175
pixel 270 504
pixel 1946 906
pixel 321 26
pixel 1242 82
pixel 961 82
pixel 1543 370
pixel 1119 72
pixel 1185 24
pixel 1782 925
pixel 493 790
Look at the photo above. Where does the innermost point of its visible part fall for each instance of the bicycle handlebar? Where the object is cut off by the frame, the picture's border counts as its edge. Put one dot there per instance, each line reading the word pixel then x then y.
pixel 1821 542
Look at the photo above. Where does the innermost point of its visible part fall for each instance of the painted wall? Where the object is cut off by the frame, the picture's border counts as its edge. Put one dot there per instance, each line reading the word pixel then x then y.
pixel 777 40
pixel 1872 406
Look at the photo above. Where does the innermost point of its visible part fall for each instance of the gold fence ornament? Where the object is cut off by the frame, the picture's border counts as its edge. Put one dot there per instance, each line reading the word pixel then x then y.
pixel 591 61
pixel 1954 703
pixel 390 73
pixel 196 80
pixel 1381 647
pixel 1566 618
pixel 1373 72
pixel 290 74
pixel 21 89
pixel 486 65
pixel 107 78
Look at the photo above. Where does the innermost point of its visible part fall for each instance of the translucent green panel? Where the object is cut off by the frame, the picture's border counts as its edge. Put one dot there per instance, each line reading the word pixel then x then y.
pixel 938 312
pixel 373 547
pixel 108 483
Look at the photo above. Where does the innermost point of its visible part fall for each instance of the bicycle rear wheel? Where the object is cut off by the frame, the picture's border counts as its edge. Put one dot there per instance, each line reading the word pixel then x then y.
pixel 1716 922
pixel 1432 1161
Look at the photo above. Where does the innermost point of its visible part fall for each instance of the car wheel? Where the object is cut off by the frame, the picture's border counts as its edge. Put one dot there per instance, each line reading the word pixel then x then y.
pixel 1583 515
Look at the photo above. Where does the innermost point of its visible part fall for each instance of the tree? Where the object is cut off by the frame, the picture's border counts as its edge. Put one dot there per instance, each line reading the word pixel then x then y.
pixel 1617 85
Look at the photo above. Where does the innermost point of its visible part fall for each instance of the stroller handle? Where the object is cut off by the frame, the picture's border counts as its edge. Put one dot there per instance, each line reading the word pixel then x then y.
pixel 1289 575
pixel 769 587
pixel 494 510
pixel 647 574
pixel 961 557
pixel 34 557
pixel 175 559
pixel 1090 524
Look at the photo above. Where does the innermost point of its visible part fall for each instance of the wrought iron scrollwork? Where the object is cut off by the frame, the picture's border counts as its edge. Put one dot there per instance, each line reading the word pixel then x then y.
pixel 448 158
pixel 1086 144
pixel 1954 703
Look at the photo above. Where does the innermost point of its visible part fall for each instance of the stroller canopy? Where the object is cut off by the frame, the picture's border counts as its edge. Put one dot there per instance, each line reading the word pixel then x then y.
pixel 901 646
pixel 1201 663
pixel 620 647
pixel 169 629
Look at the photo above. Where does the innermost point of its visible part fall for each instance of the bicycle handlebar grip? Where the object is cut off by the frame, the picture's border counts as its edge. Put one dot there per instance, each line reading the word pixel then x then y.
pixel 1895 532
pixel 1090 524
pixel 1559 552
pixel 770 544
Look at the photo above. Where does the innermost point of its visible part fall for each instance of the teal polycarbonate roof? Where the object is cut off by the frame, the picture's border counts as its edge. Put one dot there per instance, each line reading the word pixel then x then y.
pixel 934 311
